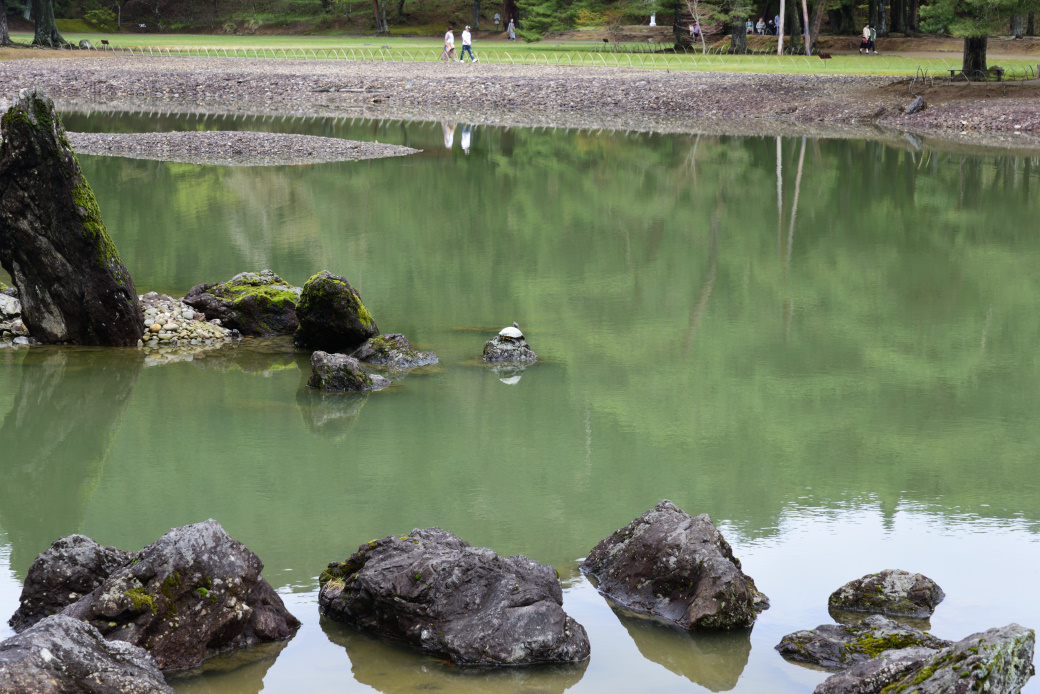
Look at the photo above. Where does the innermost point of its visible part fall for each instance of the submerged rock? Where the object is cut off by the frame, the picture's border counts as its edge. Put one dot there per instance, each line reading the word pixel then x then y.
pixel 997 661
pixel 193 593
pixel 432 590
pixel 669 565
pixel 332 317
pixel 62 655
pixel 836 646
pixel 72 285
pixel 509 345
pixel 63 573
pixel 334 373
pixel 253 303
pixel 393 350
pixel 891 592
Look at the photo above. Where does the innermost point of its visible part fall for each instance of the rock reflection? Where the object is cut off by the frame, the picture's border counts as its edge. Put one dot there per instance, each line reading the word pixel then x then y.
pixel 395 669
pixel 509 374
pixel 239 672
pixel 329 414
pixel 69 405
pixel 715 661
pixel 846 617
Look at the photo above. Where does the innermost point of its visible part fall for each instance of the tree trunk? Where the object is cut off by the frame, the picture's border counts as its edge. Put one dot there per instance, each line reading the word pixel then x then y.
pixel 509 11
pixel 872 12
pixel 805 28
pixel 1017 26
pixel 738 40
pixel 382 26
pixel 46 29
pixel 974 55
pixel 780 33
pixel 913 19
pixel 400 11
pixel 882 18
pixel 1029 24
pixel 5 36
pixel 815 22
pixel 476 14
pixel 896 24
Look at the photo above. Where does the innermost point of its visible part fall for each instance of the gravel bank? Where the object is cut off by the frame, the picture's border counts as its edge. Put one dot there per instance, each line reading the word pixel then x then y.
pixel 233 148
pixel 577 97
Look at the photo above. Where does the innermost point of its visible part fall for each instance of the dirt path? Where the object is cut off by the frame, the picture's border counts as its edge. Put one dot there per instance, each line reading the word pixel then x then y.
pixel 1006 115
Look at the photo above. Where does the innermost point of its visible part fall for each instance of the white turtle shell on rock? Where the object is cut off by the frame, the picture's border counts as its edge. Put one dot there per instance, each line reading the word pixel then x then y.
pixel 510 333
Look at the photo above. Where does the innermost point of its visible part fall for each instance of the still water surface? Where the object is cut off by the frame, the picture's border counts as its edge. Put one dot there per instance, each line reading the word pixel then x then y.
pixel 844 388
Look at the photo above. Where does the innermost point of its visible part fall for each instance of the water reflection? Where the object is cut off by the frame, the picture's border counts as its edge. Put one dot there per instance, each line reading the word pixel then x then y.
pixel 714 661
pixel 68 406
pixel 238 672
pixel 329 414
pixel 395 669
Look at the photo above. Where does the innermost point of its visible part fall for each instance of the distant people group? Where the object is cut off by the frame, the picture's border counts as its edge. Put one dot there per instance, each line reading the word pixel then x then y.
pixel 448 54
pixel 868 43
pixel 762 27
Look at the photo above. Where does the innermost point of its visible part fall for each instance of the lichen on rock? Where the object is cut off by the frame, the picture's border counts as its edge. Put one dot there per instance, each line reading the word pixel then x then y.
pixel 891 592
pixel 394 351
pixel 835 646
pixel 335 373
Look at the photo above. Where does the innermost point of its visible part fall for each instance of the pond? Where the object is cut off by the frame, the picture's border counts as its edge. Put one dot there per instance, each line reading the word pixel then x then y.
pixel 846 382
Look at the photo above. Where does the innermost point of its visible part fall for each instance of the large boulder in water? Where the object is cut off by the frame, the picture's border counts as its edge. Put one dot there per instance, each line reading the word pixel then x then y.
pixel 66 571
pixel 996 661
pixel 393 351
pixel 71 283
pixel 335 373
pixel 62 655
pixel 254 303
pixel 434 591
pixel 332 317
pixel 890 592
pixel 838 646
pixel 669 565
pixel 192 594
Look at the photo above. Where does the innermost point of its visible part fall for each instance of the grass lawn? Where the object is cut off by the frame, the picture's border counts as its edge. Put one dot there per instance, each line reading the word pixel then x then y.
pixel 418 49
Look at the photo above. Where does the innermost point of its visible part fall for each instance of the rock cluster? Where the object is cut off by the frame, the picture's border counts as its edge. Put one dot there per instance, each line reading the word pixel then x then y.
pixel 891 592
pixel 73 287
pixel 63 573
pixel 837 646
pixel 337 373
pixel 394 351
pixel 435 591
pixel 508 348
pixel 332 316
pixel 254 303
pixel 64 655
pixel 996 661
pixel 669 565
pixel 193 593
pixel 170 322
pixel 879 656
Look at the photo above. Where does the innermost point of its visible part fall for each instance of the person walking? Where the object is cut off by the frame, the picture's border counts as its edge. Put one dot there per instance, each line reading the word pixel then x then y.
pixel 864 45
pixel 511 29
pixel 776 23
pixel 873 38
pixel 467 45
pixel 448 54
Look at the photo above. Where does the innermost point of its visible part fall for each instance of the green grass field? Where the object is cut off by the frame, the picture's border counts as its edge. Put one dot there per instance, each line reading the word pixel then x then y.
pixel 413 49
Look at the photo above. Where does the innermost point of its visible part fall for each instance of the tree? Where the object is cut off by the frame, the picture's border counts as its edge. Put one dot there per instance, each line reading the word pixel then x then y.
pixel 476 15
pixel 544 17
pixel 5 36
pixel 46 29
pixel 974 21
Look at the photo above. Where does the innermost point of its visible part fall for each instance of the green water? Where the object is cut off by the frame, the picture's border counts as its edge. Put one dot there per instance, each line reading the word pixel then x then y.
pixel 847 388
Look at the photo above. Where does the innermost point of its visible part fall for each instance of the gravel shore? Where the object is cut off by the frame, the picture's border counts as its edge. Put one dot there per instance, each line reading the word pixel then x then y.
pixel 233 148
pixel 566 96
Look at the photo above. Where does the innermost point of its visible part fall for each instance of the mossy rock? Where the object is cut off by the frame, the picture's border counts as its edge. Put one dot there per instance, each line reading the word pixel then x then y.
pixel 332 316
pixel 891 592
pixel 338 373
pixel 394 351
pixel 254 303
pixel 835 646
